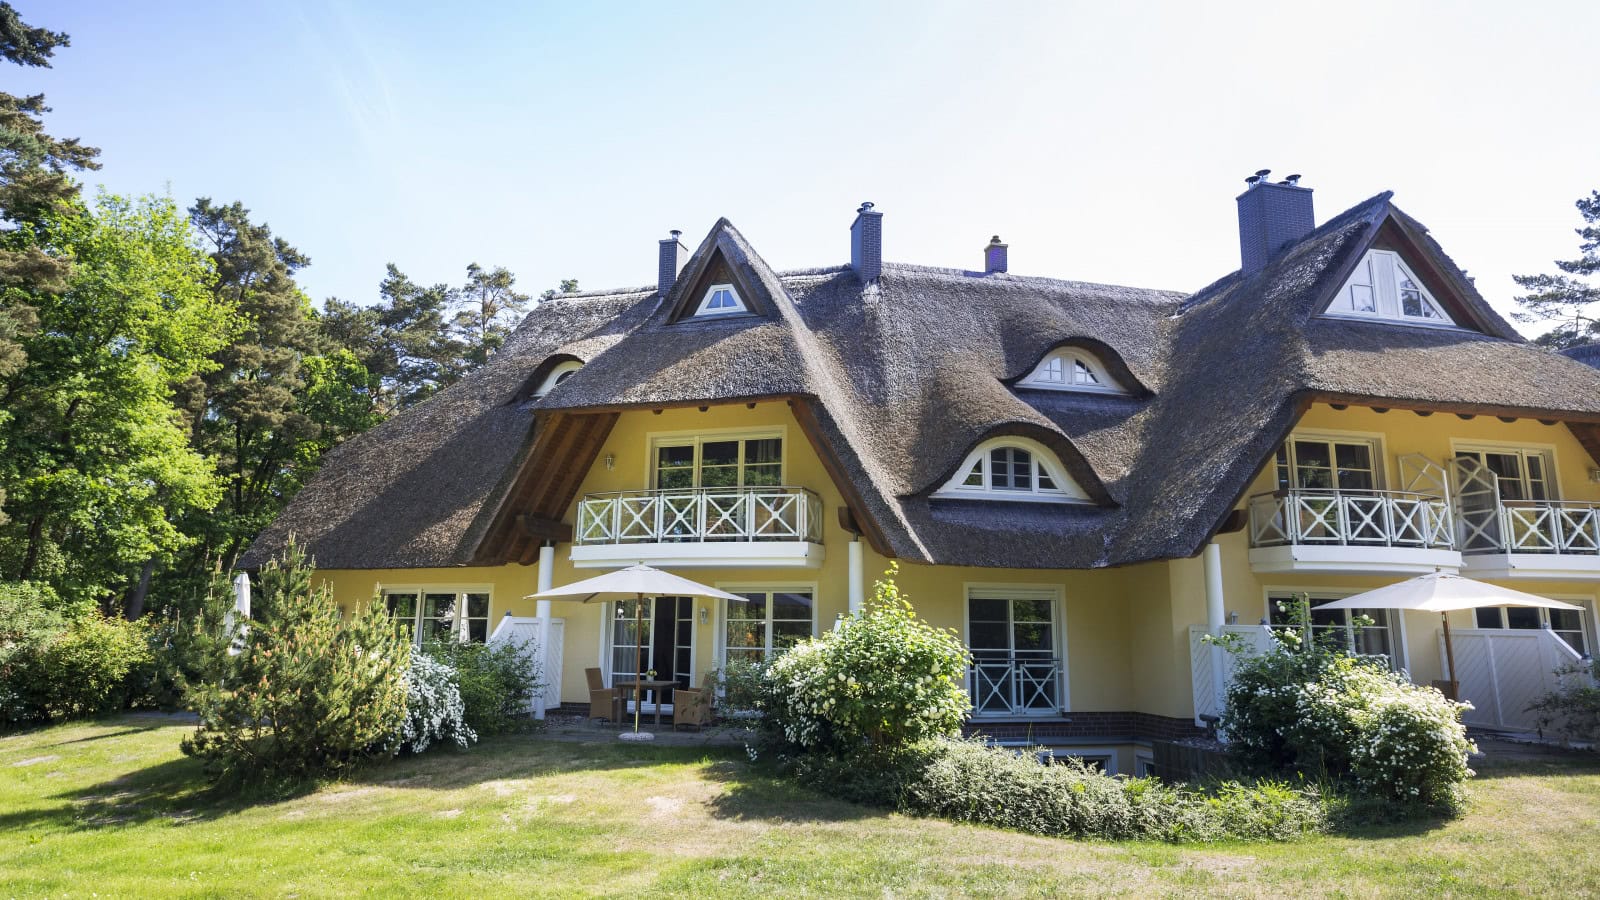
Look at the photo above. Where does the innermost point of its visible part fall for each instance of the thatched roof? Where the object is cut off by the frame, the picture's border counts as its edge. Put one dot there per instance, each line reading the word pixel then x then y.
pixel 902 376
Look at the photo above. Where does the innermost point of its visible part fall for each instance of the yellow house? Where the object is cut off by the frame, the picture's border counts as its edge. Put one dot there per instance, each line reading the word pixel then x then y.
pixel 1079 479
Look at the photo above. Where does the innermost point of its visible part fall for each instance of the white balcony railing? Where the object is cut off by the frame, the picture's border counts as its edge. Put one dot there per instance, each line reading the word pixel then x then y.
pixel 1015 685
pixel 1532 527
pixel 1351 518
pixel 692 515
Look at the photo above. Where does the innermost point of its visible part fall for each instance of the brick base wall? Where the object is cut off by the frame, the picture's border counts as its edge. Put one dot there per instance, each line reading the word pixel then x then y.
pixel 1124 725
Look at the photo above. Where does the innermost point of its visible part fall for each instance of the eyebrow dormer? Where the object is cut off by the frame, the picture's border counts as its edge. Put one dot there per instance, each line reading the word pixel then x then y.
pixel 1073 369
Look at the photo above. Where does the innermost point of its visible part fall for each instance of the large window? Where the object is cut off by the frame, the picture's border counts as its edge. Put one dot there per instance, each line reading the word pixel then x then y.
pixel 764 622
pixel 439 614
pixel 717 462
pixel 1567 624
pixel 1521 474
pixel 1337 627
pixel 1012 469
pixel 1015 637
pixel 1383 287
pixel 1318 462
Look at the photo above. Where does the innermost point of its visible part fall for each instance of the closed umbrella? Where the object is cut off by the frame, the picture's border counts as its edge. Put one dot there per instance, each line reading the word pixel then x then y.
pixel 1442 593
pixel 633 583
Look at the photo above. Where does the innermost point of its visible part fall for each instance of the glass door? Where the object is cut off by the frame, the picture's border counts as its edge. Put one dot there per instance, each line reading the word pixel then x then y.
pixel 1015 670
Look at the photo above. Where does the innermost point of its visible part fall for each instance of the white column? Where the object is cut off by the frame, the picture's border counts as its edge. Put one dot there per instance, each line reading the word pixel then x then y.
pixel 1216 615
pixel 547 564
pixel 858 584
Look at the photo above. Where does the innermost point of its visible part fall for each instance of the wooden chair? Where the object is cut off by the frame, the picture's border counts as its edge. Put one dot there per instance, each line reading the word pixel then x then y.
pixel 692 706
pixel 602 700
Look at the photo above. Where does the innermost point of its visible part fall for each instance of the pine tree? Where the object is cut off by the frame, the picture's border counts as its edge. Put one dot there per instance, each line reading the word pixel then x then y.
pixel 1566 298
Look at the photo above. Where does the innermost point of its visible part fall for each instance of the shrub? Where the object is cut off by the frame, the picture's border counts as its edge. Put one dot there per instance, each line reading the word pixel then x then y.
pixel 497 682
pixel 968 781
pixel 741 681
pixel 309 692
pixel 1573 709
pixel 52 667
pixel 881 679
pixel 434 711
pixel 1328 714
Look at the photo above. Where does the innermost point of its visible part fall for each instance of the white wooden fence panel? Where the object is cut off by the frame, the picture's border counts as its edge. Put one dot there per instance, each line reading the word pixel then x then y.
pixel 1211 667
pixel 1501 671
pixel 525 632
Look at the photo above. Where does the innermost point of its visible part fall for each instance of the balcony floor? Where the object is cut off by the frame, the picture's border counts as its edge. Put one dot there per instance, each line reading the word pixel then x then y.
pixel 1353 559
pixel 701 554
pixel 1545 566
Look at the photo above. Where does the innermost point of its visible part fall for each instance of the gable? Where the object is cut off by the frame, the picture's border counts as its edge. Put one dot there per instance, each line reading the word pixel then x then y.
pixel 706 294
pixel 1396 278
pixel 1383 286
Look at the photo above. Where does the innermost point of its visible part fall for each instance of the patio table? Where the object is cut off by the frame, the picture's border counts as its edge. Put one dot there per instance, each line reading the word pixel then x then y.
pixel 640 685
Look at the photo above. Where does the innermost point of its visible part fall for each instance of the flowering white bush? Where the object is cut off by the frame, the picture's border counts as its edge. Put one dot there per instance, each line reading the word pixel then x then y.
pixel 1325 712
pixel 434 710
pixel 883 678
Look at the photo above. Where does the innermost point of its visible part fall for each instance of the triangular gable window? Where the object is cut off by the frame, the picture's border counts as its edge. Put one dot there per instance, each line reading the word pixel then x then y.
pixel 720 300
pixel 1384 287
pixel 1072 369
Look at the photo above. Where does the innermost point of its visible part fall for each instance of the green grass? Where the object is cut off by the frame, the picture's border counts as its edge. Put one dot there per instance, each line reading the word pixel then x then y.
pixel 112 808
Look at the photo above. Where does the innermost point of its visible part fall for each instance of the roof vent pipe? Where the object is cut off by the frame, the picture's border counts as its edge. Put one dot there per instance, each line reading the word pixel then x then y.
pixel 669 262
pixel 866 243
pixel 1272 215
pixel 994 256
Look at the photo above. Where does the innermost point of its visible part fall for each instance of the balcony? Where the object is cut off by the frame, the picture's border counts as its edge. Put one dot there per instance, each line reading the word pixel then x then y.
pixel 1013 686
pixel 740 527
pixel 1527 539
pixel 1352 532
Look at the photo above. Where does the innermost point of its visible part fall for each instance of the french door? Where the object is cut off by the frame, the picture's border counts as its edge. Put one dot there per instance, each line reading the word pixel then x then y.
pixel 1015 639
pixel 665 644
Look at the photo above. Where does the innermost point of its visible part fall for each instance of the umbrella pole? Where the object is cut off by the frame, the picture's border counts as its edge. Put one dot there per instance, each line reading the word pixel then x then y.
pixel 1449 654
pixel 638 659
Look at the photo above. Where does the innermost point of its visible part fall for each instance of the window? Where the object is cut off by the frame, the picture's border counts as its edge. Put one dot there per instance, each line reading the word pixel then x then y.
pixel 764 622
pixel 1567 624
pixel 1383 287
pixel 1072 369
pixel 1012 469
pixel 1521 474
pixel 439 614
pixel 718 462
pixel 720 300
pixel 1015 637
pixel 1337 627
pixel 1333 463
pixel 668 639
pixel 560 373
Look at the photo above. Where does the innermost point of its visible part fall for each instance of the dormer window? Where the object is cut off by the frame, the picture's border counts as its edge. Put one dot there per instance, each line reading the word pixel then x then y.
pixel 1072 369
pixel 560 373
pixel 1384 287
pixel 1013 468
pixel 720 300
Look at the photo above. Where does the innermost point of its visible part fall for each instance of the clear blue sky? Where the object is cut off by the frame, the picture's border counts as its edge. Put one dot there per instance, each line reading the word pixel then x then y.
pixel 1103 141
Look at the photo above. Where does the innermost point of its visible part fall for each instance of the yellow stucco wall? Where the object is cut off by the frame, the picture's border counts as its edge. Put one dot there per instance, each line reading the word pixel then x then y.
pixel 1126 628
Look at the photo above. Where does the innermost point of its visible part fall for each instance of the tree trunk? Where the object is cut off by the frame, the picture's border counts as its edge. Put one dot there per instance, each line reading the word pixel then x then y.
pixel 35 537
pixel 133 604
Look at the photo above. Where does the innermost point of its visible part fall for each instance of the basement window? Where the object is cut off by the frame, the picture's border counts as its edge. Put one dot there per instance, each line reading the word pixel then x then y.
pixel 720 300
pixel 1072 369
pixel 1384 287
pixel 1013 468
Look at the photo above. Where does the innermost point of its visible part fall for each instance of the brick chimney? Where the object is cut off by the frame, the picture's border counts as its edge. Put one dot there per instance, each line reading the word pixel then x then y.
pixel 866 243
pixel 994 256
pixel 1272 215
pixel 673 253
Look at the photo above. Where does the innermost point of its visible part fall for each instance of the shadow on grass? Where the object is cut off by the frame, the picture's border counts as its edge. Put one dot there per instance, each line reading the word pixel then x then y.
pixel 755 793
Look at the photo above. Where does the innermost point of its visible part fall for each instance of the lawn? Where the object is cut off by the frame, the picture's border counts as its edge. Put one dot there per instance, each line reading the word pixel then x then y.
pixel 112 808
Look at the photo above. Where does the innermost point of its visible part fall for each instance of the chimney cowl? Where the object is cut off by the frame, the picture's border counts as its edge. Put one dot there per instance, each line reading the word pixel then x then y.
pixel 994 256
pixel 1272 215
pixel 670 259
pixel 866 243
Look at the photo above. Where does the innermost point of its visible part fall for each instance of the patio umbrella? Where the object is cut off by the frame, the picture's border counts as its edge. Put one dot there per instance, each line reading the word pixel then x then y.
pixel 1441 593
pixel 633 583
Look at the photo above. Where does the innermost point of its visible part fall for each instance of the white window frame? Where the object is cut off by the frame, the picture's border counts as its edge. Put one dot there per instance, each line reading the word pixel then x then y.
pixel 655 440
pixel 1144 763
pixel 1589 630
pixel 1067 489
pixel 1043 378
pixel 1385 267
pixel 460 591
pixel 704 309
pixel 720 641
pixel 1374 441
pixel 1055 593
pixel 608 614
pixel 1552 476
pixel 560 373
pixel 1397 618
